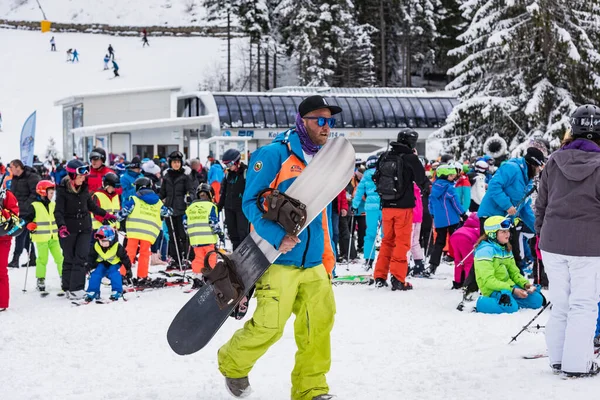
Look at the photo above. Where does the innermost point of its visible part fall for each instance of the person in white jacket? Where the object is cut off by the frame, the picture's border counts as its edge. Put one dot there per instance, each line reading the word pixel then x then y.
pixel 478 185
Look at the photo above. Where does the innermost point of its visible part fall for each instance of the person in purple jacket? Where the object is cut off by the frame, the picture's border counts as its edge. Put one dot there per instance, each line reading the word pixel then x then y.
pixel 446 210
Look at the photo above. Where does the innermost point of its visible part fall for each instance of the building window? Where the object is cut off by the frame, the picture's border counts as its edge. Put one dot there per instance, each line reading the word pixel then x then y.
pixel 163 150
pixel 143 150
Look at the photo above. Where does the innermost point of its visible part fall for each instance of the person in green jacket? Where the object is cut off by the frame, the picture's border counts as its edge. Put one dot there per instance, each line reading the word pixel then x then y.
pixel 503 288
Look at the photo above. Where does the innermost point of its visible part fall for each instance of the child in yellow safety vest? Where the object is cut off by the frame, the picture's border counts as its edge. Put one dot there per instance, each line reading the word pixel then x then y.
pixel 202 219
pixel 44 232
pixel 107 198
pixel 105 259
pixel 143 212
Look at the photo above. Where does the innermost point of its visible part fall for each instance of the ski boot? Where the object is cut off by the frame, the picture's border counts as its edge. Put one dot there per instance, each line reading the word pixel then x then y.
pixel 324 397
pixel 197 283
pixel 418 269
pixel 13 264
pixel 594 370
pixel 41 285
pixel 238 387
pixel 429 271
pixel 456 285
pixel 397 285
pixel 556 368
pixel 173 266
pixel 114 296
pixel 380 282
pixel 369 264
pixel 76 295
pixel 90 296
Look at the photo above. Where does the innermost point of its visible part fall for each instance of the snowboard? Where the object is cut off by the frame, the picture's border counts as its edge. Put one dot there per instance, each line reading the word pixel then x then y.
pixel 317 185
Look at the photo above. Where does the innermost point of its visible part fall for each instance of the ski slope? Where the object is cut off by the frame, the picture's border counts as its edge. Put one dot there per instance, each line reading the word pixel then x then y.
pixel 385 345
pixel 112 12
pixel 33 77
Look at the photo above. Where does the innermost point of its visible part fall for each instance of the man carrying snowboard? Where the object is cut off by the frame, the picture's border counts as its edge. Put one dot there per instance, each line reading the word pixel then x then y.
pixel 298 281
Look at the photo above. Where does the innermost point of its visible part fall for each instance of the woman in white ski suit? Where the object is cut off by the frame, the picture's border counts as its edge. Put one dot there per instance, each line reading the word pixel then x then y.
pixel 568 224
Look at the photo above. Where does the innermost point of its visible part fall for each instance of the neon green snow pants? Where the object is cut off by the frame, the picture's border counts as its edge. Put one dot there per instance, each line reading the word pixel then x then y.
pixel 281 291
pixel 42 249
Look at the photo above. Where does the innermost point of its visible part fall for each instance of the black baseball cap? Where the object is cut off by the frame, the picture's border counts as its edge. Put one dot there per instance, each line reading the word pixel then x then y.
pixel 316 102
pixel 535 157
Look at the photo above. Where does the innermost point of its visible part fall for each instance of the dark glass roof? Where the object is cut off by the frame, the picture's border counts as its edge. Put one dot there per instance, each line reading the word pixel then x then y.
pixel 279 111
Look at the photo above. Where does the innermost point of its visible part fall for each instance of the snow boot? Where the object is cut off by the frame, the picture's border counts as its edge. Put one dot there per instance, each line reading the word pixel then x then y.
pixel 238 387
pixel 13 264
pixel 397 285
pixel 324 397
pixel 41 284
pixel 456 285
pixel 114 296
pixel 594 370
pixel 369 264
pixel 380 282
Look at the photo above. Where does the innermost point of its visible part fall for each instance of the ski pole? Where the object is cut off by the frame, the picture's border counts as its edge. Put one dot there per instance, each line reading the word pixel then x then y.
pixel 175 242
pixel 529 323
pixel 27 270
pixel 350 242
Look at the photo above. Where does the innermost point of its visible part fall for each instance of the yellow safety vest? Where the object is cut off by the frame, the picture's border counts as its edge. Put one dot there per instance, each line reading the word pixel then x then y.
pixel 109 205
pixel 198 218
pixel 144 221
pixel 46 224
pixel 110 256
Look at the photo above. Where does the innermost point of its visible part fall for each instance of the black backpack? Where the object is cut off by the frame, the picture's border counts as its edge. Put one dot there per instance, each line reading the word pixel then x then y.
pixel 388 176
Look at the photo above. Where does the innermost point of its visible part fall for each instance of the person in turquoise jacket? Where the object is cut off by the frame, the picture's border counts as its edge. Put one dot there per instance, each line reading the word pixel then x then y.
pixel 446 211
pixel 503 288
pixel 463 187
pixel 366 193
pixel 298 281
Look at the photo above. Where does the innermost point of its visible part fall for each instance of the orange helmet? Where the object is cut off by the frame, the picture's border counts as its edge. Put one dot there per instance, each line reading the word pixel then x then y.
pixel 42 187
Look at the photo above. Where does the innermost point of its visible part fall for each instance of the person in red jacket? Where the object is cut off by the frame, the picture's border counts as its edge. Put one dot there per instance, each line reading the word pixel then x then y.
pixel 9 217
pixel 339 211
pixel 97 170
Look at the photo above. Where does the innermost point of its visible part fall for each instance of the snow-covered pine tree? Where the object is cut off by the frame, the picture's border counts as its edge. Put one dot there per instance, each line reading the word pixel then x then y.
pixel 356 66
pixel 525 64
pixel 317 35
pixel 51 151
pixel 451 25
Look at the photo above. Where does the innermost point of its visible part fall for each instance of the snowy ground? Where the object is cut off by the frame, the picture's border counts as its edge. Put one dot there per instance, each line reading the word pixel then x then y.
pixel 33 77
pixel 386 345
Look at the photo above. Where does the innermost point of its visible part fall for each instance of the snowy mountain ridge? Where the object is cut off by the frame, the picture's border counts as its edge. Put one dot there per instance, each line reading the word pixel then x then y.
pixel 111 12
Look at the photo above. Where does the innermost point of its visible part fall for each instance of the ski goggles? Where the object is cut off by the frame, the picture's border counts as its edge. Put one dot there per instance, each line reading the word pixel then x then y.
pixel 502 225
pixel 83 170
pixel 95 156
pixel 231 163
pixel 321 121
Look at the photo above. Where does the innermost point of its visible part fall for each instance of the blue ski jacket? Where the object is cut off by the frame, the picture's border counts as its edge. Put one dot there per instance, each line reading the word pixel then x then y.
pixel 366 187
pixel 444 204
pixel 277 165
pixel 506 189
pixel 127 184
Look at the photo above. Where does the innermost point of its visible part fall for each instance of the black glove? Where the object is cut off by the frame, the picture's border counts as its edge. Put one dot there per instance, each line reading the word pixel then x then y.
pixel 354 211
pixel 221 236
pixel 88 267
pixel 464 217
pixel 505 300
pixel 129 274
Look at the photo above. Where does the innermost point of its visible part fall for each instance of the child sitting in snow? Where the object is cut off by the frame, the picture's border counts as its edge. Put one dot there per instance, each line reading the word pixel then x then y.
pixel 106 257
pixel 503 288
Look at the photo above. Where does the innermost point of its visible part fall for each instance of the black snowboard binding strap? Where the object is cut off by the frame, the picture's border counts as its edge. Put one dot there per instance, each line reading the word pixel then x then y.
pixel 283 209
pixel 226 284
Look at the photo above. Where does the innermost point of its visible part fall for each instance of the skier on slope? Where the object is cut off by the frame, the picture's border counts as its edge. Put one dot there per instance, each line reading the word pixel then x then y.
pixel 52 44
pixel 106 60
pixel 298 281
pixel 111 52
pixel 366 192
pixel 115 68
pixel 567 212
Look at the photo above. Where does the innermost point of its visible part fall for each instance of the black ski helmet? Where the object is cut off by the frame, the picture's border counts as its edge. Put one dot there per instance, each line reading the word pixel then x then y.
pixel 176 155
pixel 143 183
pixel 98 152
pixel 371 162
pixel 111 179
pixel 585 122
pixel 231 156
pixel 408 137
pixel 206 188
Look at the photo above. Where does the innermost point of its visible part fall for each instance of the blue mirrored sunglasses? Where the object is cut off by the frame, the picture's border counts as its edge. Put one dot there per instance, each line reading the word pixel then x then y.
pixel 321 121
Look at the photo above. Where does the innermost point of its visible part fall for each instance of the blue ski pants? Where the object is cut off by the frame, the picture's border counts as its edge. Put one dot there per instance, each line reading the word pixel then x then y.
pixel 491 304
pixel 373 220
pixel 111 272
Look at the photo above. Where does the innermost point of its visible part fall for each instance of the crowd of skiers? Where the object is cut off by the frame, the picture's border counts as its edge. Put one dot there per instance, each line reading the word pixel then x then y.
pixel 494 222
pixel 75 212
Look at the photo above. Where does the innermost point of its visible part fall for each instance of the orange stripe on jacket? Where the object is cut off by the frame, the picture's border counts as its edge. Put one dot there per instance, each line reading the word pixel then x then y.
pixel 328 254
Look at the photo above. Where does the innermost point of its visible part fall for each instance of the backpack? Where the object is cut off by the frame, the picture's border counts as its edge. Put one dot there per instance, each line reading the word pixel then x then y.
pixel 472 175
pixel 388 176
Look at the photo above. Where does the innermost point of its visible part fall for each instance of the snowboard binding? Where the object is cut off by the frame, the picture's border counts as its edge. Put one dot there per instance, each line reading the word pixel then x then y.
pixel 283 209
pixel 227 286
